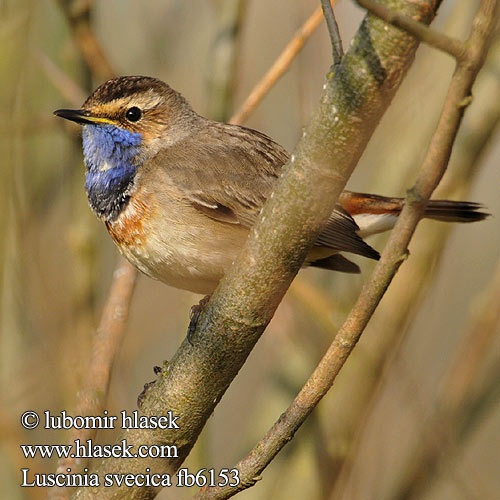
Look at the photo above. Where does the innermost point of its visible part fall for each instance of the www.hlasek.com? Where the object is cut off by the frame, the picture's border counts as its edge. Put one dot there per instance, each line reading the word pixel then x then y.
pixel 78 450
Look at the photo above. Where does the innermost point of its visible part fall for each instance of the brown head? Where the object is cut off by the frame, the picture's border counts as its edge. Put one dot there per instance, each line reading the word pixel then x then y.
pixel 125 122
pixel 138 104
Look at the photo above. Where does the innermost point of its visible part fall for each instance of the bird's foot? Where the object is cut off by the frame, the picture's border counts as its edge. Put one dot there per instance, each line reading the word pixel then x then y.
pixel 194 314
pixel 157 370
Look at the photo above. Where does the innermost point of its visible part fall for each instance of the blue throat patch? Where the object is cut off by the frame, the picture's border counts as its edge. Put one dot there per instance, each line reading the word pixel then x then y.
pixel 111 156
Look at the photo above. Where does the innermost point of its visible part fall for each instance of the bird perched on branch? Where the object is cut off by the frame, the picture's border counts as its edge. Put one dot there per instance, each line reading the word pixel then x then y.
pixel 179 193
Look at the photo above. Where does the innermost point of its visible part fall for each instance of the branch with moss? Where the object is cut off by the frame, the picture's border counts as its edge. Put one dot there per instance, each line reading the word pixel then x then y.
pixel 353 100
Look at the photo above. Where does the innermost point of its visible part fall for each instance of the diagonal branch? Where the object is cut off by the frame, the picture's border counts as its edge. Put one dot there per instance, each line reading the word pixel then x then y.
pixel 68 88
pixel 276 71
pixel 223 65
pixel 92 398
pixel 397 312
pixel 460 404
pixel 78 15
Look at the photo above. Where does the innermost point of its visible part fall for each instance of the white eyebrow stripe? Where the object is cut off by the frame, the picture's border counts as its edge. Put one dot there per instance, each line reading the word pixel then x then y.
pixel 145 101
pixel 153 99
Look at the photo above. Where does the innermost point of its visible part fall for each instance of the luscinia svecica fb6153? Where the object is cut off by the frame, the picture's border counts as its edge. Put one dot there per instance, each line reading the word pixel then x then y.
pixel 178 192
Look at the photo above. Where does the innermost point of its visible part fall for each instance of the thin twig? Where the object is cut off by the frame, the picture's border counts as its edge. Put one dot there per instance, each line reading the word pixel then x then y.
pixel 86 39
pixel 68 88
pixel 80 7
pixel 224 58
pixel 420 31
pixel 92 398
pixel 476 345
pixel 280 65
pixel 430 174
pixel 444 436
pixel 395 314
pixel 459 399
pixel 333 31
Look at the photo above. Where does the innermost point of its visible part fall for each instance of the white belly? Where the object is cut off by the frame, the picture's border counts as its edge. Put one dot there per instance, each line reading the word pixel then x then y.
pixel 184 248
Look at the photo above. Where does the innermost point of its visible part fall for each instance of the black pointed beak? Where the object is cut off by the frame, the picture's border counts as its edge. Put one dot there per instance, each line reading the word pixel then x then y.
pixel 75 115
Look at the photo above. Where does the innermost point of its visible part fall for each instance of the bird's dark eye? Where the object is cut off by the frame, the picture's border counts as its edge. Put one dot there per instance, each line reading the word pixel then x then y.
pixel 133 114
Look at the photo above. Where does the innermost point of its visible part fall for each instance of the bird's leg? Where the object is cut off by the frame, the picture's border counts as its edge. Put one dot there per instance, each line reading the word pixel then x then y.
pixel 194 314
pixel 157 370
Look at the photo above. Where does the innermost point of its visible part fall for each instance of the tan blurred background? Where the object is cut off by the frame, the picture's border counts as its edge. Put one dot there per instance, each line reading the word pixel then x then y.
pixel 56 261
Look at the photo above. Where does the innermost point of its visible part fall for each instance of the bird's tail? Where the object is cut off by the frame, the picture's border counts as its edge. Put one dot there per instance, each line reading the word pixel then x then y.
pixel 375 214
pixel 454 211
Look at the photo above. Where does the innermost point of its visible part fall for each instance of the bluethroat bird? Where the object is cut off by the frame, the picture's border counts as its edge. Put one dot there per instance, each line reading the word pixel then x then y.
pixel 178 193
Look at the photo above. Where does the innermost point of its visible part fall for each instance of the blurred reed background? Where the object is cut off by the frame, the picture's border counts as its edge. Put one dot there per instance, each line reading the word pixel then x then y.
pixel 414 414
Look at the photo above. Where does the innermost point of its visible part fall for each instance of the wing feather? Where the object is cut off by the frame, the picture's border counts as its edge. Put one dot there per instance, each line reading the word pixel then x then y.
pixel 341 233
pixel 227 172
